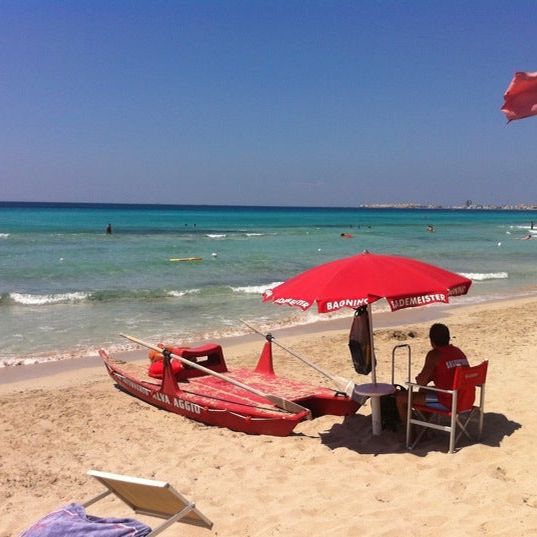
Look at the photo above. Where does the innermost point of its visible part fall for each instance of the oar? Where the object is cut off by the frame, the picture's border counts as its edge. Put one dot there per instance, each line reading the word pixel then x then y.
pixel 343 385
pixel 280 402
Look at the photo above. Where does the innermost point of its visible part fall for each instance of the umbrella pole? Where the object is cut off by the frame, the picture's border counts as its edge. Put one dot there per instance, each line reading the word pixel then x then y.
pixel 376 416
pixel 371 345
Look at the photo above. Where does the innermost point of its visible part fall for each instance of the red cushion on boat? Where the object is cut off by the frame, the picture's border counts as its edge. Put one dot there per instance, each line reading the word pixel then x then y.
pixel 156 369
pixel 155 356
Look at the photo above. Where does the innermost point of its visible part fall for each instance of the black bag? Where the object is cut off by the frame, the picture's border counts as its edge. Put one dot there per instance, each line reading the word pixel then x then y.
pixel 360 342
pixel 388 409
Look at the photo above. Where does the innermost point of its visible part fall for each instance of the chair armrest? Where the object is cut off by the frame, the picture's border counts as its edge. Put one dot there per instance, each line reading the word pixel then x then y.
pixel 431 388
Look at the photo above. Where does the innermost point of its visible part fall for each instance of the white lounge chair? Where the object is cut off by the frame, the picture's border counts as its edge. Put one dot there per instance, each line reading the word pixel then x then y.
pixel 149 497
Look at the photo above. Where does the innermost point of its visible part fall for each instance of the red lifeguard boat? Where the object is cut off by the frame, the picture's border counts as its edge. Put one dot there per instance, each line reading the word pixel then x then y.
pixel 254 401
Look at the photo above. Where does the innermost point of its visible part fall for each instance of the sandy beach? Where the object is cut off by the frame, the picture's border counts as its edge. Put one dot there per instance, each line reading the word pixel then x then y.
pixel 331 477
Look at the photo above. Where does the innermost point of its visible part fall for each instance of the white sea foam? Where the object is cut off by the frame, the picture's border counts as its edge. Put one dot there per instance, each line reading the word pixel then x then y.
pixel 254 234
pixel 216 235
pixel 40 300
pixel 4 235
pixel 479 277
pixel 255 289
pixel 525 226
pixel 10 361
pixel 178 294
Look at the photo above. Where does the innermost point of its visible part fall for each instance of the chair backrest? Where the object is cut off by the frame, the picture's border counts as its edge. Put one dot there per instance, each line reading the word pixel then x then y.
pixel 467 377
pixel 150 497
pixel 465 381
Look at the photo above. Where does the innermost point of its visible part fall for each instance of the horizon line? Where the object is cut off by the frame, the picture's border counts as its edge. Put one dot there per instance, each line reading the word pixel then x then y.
pixel 366 206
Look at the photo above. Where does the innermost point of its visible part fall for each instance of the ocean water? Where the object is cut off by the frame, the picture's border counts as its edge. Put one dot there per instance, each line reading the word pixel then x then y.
pixel 67 288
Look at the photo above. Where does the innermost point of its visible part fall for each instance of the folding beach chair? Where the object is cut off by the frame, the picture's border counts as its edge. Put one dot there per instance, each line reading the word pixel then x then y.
pixel 148 497
pixel 462 409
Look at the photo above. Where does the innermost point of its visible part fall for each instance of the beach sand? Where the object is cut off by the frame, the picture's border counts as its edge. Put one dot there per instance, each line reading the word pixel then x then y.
pixel 331 477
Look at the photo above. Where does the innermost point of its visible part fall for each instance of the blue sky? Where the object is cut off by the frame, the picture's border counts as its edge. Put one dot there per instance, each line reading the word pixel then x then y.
pixel 324 103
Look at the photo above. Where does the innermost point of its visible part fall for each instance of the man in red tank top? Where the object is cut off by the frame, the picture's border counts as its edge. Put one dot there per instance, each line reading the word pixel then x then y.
pixel 439 368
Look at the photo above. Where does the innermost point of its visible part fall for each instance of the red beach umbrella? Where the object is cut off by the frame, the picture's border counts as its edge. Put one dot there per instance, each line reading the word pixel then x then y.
pixel 520 98
pixel 360 280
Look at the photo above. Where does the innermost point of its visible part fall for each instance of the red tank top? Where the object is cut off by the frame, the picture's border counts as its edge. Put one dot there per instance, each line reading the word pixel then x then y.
pixel 450 358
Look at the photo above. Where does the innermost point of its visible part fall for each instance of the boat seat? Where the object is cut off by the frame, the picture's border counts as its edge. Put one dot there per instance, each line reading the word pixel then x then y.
pixel 209 355
pixel 202 350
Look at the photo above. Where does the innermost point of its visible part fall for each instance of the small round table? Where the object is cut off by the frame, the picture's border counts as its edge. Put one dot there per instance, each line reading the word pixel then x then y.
pixel 375 390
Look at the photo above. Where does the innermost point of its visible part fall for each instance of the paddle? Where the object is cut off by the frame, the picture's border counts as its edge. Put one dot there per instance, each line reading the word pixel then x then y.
pixel 280 402
pixel 343 385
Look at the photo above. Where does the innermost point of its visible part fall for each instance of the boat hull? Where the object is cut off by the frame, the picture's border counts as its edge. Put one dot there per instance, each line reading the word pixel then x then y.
pixel 213 401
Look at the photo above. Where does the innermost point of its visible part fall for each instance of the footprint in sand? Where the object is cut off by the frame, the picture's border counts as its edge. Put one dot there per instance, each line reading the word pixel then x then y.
pixel 500 473
pixel 530 501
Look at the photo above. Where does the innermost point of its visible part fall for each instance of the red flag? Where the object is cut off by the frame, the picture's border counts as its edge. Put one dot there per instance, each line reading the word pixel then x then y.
pixel 520 98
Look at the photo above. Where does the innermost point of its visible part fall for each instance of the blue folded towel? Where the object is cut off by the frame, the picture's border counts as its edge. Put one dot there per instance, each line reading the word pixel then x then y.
pixel 73 521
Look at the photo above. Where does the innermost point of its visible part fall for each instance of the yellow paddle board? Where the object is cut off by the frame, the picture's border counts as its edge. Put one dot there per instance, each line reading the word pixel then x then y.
pixel 186 258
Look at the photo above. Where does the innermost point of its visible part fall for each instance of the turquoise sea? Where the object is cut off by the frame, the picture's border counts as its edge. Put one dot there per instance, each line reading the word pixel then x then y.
pixel 67 288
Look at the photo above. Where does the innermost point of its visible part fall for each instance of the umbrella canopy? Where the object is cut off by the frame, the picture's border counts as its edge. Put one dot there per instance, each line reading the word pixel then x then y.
pixel 362 279
pixel 520 98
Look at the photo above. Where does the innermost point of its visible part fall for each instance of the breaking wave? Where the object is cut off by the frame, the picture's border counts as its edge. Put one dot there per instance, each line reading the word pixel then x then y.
pixel 255 289
pixel 178 294
pixel 41 300
pixel 30 299
pixel 479 276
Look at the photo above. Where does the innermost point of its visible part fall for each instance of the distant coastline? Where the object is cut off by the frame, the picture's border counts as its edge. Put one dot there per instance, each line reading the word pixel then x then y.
pixel 467 206
pixel 376 206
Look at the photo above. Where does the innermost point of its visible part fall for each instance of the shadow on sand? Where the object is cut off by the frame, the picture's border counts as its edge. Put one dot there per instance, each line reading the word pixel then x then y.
pixel 354 433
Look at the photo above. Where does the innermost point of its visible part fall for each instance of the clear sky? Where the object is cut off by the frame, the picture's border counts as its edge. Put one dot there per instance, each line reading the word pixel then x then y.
pixel 324 103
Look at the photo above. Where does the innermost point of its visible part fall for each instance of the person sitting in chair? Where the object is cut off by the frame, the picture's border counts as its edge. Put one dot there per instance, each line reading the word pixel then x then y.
pixel 439 368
